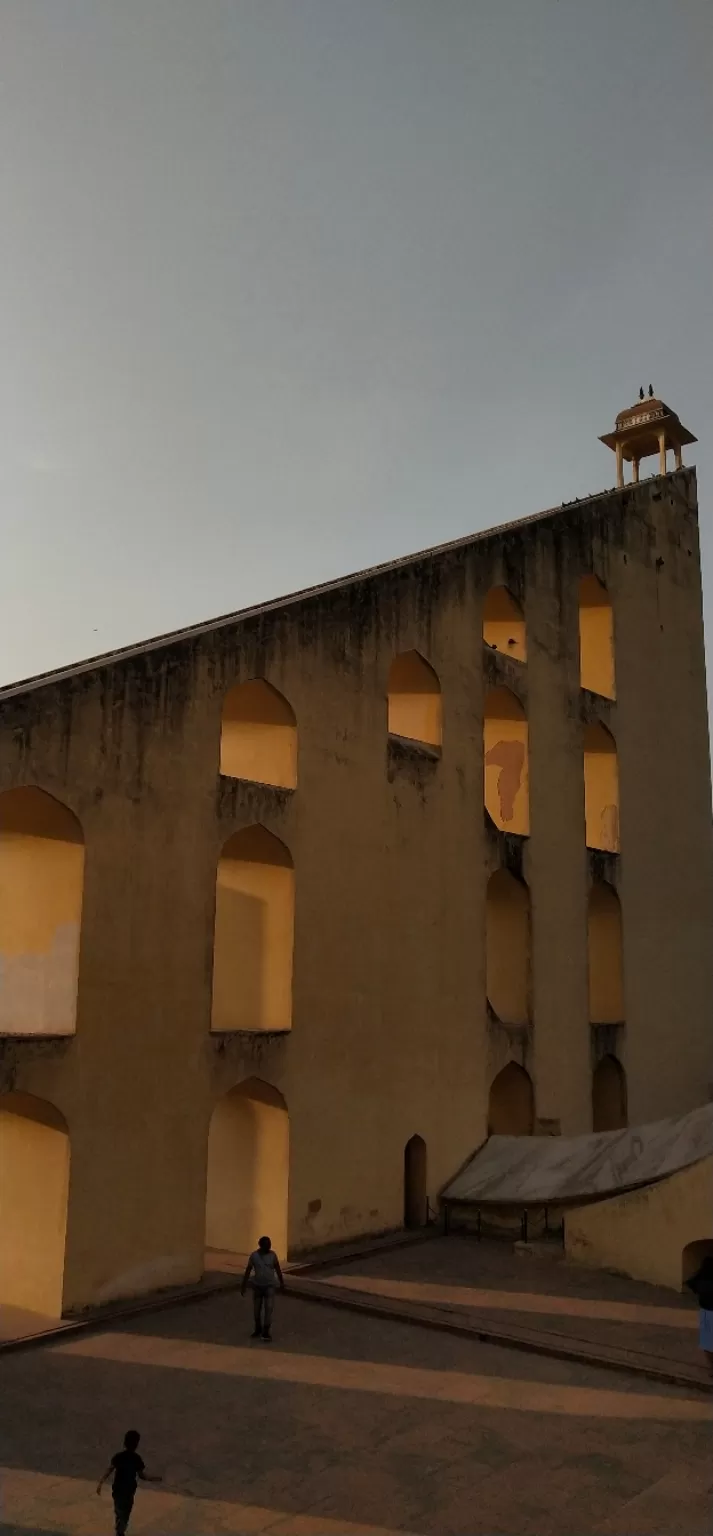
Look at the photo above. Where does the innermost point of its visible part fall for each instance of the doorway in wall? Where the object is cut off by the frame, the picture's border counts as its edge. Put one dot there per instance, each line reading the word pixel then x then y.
pixel 609 1107
pixel 415 1183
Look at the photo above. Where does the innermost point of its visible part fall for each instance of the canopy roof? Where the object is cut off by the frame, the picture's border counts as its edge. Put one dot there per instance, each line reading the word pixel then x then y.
pixel 644 408
pixel 637 429
pixel 545 1170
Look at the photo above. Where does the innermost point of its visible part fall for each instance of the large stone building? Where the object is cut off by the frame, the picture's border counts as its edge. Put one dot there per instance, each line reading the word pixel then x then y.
pixel 296 905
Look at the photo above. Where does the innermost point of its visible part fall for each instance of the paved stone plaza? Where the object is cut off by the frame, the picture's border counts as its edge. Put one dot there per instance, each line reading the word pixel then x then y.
pixel 346 1425
pixel 531 1294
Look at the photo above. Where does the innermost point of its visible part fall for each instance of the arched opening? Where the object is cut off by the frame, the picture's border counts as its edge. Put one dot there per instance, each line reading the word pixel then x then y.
pixel 609 1099
pixel 254 923
pixel 41 883
pixel 506 761
pixel 596 638
pixel 248 1169
pixel 693 1256
pixel 601 788
pixel 415 1183
pixel 34 1187
pixel 258 738
pixel 507 947
pixel 415 708
pixel 606 976
pixel 504 624
pixel 511 1106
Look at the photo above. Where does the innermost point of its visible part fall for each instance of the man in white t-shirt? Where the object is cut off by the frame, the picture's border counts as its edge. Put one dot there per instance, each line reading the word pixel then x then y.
pixel 264 1266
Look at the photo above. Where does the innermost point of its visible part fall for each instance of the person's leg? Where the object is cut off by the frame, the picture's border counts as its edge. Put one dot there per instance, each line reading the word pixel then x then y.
pixel 257 1312
pixel 122 1515
pixel 267 1313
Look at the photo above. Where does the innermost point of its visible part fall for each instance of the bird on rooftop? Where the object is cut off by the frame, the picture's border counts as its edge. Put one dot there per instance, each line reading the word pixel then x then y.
pixel 641 393
pixel 651 391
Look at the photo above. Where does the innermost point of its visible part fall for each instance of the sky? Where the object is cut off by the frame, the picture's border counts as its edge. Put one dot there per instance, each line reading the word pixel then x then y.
pixel 291 287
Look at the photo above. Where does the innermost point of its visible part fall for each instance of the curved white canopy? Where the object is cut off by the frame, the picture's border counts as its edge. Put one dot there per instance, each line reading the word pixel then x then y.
pixel 545 1170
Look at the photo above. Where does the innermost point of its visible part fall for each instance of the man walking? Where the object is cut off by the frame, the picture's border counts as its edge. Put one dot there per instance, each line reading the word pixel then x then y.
pixel 264 1266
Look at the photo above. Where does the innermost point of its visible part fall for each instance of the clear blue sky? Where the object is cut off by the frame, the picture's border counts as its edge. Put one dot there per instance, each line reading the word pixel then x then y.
pixel 293 286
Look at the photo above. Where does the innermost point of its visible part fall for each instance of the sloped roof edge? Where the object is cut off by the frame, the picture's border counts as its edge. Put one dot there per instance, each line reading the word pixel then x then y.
pixel 545 1170
pixel 273 605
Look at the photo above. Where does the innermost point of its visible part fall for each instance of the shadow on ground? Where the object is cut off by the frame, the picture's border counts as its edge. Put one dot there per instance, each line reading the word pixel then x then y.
pixel 402 1451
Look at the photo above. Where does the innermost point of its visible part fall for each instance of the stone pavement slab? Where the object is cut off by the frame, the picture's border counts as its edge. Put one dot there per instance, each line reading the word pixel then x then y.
pixel 679 1502
pixel 72 1505
pixel 347 1425
pixel 372 1376
pixel 504 1266
pixel 542 1302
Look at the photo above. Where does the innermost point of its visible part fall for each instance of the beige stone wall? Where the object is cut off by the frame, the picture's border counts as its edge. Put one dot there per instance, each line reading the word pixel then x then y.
pixel 644 1233
pixel 661 728
pixel 391 849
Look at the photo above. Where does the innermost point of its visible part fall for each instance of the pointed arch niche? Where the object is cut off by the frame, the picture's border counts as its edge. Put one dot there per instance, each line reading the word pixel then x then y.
pixel 415 1182
pixel 505 744
pixel 504 624
pixel 41 886
pixel 609 1095
pixel 414 702
pixel 254 923
pixel 507 947
pixel 693 1255
pixel 511 1106
pixel 258 739
pixel 601 788
pixel 596 638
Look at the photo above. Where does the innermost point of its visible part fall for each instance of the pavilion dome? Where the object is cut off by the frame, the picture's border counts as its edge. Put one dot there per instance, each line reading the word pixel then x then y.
pixel 644 407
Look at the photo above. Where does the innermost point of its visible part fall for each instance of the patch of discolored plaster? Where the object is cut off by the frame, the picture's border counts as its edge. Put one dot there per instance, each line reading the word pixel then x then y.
pixel 509 757
pixel 38 991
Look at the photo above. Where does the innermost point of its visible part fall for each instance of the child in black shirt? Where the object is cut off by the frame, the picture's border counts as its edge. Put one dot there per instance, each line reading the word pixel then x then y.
pixel 125 1468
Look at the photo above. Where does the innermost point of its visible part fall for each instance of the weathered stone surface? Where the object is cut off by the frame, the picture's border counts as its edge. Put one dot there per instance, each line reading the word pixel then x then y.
pixel 517 1170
